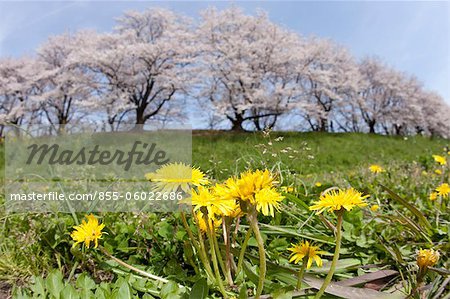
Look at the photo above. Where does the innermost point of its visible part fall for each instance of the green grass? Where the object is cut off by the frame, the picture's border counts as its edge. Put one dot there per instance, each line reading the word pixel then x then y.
pixel 158 242
pixel 231 152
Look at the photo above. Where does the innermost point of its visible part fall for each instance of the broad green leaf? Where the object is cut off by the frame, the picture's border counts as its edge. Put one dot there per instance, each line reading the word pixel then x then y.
pixel 200 289
pixel 54 283
pixel 84 282
pixel 38 287
pixel 69 292
pixel 169 289
pixel 101 294
pixel 124 291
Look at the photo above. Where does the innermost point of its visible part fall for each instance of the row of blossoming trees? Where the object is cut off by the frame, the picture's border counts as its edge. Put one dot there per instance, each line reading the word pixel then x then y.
pixel 227 69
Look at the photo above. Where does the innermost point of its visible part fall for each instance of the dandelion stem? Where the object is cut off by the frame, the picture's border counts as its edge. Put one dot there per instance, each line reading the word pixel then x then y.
pixel 200 248
pixel 226 236
pixel 262 253
pixel 214 257
pixel 242 253
pixel 220 258
pixel 189 231
pixel 301 272
pixel 327 281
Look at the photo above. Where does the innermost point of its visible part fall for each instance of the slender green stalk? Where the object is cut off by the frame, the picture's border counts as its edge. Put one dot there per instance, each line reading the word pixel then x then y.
pixel 202 249
pixel 72 272
pixel 214 258
pixel 327 281
pixel 226 237
pixel 219 257
pixel 262 253
pixel 189 231
pixel 193 242
pixel 301 273
pixel 242 253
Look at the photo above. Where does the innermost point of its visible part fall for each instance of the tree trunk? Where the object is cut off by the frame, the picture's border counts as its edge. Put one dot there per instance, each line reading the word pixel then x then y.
pixel 323 126
pixel 237 123
pixel 371 126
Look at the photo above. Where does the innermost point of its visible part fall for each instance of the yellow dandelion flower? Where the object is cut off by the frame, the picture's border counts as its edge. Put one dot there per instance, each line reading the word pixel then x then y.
pixel 338 200
pixel 287 189
pixel 448 153
pixel 246 186
pixel 374 208
pixel 433 196
pixel 236 212
pixel 87 232
pixel 440 159
pixel 214 205
pixel 221 192
pixel 318 184
pixel 438 172
pixel 443 190
pixel 251 182
pixel 427 258
pixel 374 168
pixel 171 177
pixel 267 200
pixel 202 223
pixel 424 173
pixel 305 249
pixel 227 190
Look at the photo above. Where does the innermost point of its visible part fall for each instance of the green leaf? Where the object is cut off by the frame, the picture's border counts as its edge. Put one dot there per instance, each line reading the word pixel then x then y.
pixel 69 292
pixel 124 291
pixel 300 203
pixel 283 293
pixel 441 271
pixel 169 289
pixel 38 287
pixel 243 292
pixel 422 219
pixel 101 294
pixel 200 289
pixel 271 229
pixel 54 283
pixel 84 282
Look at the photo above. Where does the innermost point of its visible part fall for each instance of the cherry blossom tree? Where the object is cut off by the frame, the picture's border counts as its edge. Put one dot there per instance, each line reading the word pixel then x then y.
pixel 245 67
pixel 329 80
pixel 228 68
pixel 16 91
pixel 139 67
pixel 435 114
pixel 62 86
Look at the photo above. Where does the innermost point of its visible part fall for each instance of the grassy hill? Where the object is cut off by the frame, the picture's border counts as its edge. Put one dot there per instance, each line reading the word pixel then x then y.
pixel 305 153
pixel 317 153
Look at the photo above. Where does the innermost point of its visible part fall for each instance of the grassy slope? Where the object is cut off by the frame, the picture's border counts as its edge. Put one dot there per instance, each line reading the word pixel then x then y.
pixel 231 152
pixel 331 152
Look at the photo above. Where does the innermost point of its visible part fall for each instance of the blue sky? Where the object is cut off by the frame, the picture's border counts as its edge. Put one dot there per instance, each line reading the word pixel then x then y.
pixel 411 36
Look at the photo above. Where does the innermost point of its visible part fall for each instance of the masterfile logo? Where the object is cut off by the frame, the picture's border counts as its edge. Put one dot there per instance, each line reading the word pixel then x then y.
pixel 141 153
pixel 88 169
